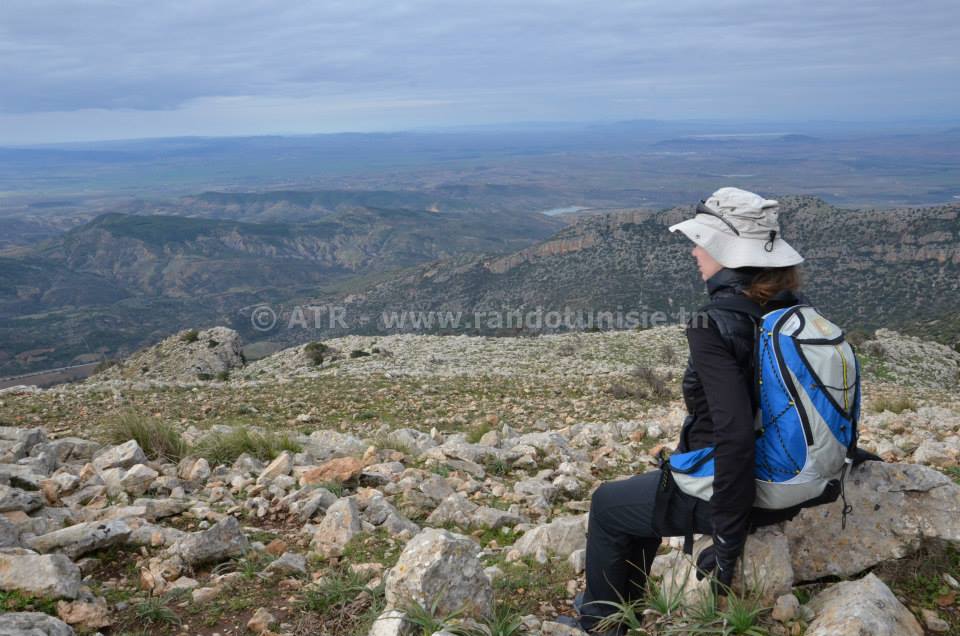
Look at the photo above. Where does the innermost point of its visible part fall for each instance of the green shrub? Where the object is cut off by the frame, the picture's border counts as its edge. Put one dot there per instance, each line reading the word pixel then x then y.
pixel 668 354
pixel 223 376
pixel 315 352
pixel 103 365
pixel 190 336
pixel 646 384
pixel 359 353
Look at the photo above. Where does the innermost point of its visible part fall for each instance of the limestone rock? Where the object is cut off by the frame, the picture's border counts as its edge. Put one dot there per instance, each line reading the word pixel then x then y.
pixel 33 624
pixel 552 628
pixel 391 623
pixel 933 622
pixel 9 534
pixel 289 564
pixel 578 561
pixel 339 525
pixel 339 470
pixel 16 499
pixel 49 575
pixel 765 566
pixel 79 539
pixel 440 567
pixel 785 608
pixel 856 608
pixel 560 537
pixel 895 507
pixel 137 480
pixel 87 615
pixel 194 469
pixel 123 456
pixel 536 488
pixel 280 466
pixel 494 518
pixel 314 501
pixel 260 621
pixel 326 444
pixel 455 509
pixel 220 542
pixel 205 594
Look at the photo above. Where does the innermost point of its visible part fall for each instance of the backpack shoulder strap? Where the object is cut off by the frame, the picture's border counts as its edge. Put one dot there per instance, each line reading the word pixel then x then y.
pixel 744 305
pixel 740 304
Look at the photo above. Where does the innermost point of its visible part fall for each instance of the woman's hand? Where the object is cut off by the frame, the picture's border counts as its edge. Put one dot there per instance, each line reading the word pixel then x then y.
pixel 719 562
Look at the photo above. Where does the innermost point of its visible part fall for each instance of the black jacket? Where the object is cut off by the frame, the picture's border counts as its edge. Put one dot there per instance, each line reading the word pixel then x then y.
pixel 718 391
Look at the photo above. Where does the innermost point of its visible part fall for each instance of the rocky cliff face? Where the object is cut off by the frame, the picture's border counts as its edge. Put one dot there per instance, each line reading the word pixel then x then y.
pixel 864 268
pixel 187 356
pixel 177 256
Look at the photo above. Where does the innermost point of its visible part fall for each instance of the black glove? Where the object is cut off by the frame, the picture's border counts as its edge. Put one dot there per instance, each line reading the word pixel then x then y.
pixel 719 562
pixel 860 456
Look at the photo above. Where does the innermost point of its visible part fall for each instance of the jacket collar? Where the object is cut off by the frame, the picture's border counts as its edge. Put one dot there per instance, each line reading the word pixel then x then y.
pixel 730 281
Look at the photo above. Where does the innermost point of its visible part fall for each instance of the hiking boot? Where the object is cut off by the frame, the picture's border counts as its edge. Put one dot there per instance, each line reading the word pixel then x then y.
pixel 578 603
pixel 570 621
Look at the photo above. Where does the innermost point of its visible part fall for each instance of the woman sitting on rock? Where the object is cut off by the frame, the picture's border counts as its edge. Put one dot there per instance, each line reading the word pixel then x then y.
pixel 739 251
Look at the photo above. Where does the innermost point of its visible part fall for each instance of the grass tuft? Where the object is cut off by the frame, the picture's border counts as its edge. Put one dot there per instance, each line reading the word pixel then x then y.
pixel 225 448
pixel 897 404
pixel 429 620
pixel 154 611
pixel 17 601
pixel 159 440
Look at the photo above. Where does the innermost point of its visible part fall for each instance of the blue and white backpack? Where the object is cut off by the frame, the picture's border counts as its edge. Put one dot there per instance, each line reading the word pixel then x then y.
pixel 808 398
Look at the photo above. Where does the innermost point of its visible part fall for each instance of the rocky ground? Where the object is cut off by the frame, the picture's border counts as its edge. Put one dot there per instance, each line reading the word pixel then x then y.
pixel 410 484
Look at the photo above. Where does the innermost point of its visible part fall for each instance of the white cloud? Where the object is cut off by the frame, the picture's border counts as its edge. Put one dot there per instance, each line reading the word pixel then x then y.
pixel 169 66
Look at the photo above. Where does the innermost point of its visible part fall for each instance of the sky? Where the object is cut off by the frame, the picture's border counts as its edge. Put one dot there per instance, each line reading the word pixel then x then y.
pixel 75 70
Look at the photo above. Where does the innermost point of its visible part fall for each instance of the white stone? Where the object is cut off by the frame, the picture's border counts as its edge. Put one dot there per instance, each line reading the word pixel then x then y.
pixel 123 456
pixel 338 527
pixel 79 539
pixel 442 568
pixel 282 465
pixel 855 608
pixel 49 575
pixel 895 508
pixel 560 537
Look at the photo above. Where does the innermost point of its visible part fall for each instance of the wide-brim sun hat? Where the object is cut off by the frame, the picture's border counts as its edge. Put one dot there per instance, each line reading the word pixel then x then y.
pixel 740 229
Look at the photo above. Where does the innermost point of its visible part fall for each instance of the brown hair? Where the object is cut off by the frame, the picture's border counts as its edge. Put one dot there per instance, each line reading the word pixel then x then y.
pixel 769 282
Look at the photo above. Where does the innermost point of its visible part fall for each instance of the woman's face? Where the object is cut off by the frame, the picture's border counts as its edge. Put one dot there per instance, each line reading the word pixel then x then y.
pixel 705 263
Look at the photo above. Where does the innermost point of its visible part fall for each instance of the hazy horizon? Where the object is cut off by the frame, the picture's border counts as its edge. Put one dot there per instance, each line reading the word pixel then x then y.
pixel 747 128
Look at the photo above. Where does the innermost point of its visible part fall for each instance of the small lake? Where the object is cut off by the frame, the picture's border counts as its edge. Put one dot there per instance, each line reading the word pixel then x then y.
pixel 566 210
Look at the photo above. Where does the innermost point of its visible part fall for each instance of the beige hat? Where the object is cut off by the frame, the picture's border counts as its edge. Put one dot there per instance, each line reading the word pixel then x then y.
pixel 739 229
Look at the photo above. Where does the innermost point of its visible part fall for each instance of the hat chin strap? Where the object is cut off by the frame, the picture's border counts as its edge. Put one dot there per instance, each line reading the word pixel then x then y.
pixel 768 246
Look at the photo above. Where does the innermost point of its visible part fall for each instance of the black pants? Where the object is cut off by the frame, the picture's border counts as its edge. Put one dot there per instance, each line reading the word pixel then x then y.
pixel 622 539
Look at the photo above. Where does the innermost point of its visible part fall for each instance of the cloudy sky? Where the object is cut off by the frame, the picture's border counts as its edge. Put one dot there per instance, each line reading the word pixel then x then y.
pixel 110 69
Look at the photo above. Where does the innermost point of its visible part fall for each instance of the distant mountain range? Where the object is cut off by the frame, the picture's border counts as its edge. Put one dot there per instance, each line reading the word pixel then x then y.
pixel 139 276
pixel 122 281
